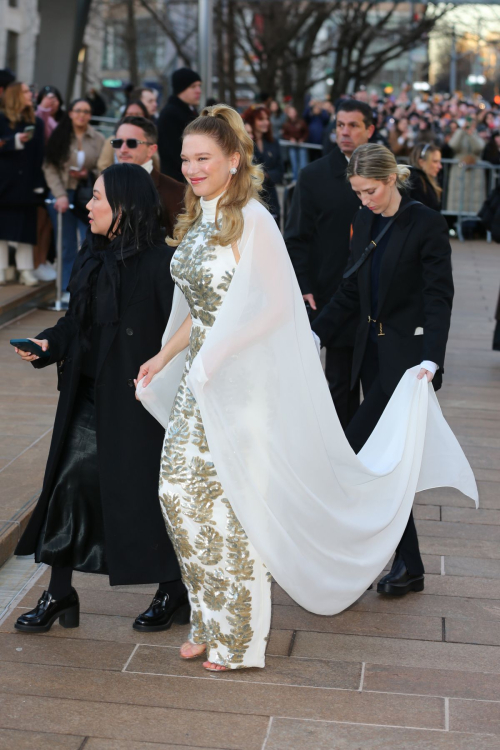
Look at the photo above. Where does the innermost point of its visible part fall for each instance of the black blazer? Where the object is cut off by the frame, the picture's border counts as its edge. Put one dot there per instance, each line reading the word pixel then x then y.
pixel 318 230
pixel 129 439
pixel 415 291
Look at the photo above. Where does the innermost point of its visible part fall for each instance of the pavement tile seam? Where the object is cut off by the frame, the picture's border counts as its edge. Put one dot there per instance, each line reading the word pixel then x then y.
pixel 267 733
pixel 386 726
pixel 26 449
pixel 195 709
pixel 429 695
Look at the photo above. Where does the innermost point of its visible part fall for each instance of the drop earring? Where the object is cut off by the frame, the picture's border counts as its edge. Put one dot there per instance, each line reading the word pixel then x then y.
pixel 233 170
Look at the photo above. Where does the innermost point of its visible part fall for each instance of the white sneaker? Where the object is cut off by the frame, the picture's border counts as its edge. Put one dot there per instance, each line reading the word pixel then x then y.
pixel 45 272
pixel 3 280
pixel 28 278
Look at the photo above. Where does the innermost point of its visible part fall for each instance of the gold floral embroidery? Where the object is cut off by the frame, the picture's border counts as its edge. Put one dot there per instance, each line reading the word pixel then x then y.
pixel 216 560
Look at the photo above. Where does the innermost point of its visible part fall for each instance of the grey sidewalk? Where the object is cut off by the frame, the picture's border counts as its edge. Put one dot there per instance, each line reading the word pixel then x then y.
pixel 421 673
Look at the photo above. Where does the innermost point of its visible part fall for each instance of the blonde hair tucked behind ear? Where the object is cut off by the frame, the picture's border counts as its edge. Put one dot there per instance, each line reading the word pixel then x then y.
pixel 376 162
pixel 225 126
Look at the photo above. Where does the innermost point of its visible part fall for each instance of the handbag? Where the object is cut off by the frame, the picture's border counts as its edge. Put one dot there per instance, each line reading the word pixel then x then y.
pixel 373 243
pixel 83 194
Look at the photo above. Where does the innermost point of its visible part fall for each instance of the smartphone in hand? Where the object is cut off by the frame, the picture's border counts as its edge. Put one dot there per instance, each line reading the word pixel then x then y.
pixel 29 130
pixel 26 345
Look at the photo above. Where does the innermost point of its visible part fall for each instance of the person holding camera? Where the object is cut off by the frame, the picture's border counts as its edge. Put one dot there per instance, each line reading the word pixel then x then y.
pixel 72 153
pixel 21 179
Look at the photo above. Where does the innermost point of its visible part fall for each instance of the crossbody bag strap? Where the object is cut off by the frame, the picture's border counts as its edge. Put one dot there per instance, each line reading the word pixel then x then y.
pixel 373 243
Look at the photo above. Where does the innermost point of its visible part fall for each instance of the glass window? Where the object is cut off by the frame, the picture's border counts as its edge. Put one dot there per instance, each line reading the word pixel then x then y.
pixel 12 49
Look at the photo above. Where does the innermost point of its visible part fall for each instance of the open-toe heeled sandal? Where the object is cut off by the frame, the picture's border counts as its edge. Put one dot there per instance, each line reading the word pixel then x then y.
pixel 196 654
pixel 215 667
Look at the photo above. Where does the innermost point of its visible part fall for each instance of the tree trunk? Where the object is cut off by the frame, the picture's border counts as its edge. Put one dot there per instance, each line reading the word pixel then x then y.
pixel 131 43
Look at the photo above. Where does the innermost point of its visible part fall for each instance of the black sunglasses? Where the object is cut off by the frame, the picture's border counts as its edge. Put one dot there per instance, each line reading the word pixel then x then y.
pixel 131 142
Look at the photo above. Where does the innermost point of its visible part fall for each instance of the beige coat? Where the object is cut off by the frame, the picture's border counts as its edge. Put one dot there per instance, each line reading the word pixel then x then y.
pixel 60 180
pixel 107 157
pixel 467 184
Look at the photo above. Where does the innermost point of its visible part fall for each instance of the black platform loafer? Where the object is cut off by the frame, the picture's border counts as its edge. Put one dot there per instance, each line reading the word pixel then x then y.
pixel 163 611
pixel 48 610
pixel 399 582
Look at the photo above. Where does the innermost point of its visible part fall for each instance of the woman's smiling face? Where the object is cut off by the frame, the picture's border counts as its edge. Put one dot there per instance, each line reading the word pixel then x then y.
pixel 205 166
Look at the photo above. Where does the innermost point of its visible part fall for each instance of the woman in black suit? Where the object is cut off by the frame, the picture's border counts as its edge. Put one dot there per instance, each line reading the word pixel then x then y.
pixel 403 294
pixel 98 511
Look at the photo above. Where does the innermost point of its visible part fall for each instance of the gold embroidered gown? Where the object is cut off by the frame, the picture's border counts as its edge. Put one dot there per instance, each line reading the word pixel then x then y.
pixel 227 582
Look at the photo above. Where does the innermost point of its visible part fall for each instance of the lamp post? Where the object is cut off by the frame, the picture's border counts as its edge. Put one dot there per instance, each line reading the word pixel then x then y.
pixel 205 37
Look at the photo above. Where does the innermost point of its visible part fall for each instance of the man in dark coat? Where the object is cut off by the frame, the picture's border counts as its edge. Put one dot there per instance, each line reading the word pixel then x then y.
pixel 317 236
pixel 178 112
pixel 138 140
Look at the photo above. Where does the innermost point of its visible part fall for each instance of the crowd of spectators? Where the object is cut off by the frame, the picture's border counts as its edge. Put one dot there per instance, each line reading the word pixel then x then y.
pixel 50 153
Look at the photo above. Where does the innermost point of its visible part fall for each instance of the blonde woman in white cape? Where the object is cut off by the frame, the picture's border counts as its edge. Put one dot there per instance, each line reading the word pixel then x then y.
pixel 257 476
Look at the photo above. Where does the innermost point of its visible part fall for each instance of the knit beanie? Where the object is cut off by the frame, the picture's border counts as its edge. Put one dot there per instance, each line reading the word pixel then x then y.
pixel 183 78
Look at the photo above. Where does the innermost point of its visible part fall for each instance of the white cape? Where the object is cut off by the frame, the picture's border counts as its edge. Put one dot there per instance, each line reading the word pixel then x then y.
pixel 324 520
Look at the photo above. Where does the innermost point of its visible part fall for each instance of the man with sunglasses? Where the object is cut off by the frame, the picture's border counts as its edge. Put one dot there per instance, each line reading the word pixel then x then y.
pixel 135 142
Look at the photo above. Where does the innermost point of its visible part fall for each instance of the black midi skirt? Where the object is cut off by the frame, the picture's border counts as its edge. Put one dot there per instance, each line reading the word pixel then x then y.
pixel 72 534
pixel 18 224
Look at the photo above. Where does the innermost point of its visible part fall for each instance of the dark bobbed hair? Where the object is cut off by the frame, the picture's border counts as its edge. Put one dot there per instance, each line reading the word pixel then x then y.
pixel 255 112
pixel 58 145
pixel 148 127
pixel 52 90
pixel 141 106
pixel 135 206
pixel 352 105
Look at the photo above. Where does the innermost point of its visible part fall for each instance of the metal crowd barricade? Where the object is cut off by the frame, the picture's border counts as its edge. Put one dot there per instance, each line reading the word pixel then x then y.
pixel 490 175
pixel 58 305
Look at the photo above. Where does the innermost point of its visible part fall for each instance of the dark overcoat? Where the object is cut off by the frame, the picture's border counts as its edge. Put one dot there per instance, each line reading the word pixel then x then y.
pixel 174 117
pixel 415 291
pixel 129 439
pixel 270 158
pixel 318 230
pixel 20 175
pixel 171 195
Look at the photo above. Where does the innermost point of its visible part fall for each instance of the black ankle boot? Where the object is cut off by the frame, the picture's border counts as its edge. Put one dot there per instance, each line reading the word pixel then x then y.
pixel 163 611
pixel 48 609
pixel 399 582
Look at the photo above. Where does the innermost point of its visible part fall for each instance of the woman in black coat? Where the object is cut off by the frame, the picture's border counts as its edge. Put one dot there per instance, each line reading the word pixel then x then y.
pixel 99 510
pixel 266 152
pixel 402 294
pixel 21 179
pixel 425 161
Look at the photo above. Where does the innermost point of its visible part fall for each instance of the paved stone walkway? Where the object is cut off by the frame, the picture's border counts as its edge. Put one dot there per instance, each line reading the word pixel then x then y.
pixel 422 673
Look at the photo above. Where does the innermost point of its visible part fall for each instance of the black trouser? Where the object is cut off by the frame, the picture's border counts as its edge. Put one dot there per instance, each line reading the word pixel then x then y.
pixel 360 429
pixel 338 369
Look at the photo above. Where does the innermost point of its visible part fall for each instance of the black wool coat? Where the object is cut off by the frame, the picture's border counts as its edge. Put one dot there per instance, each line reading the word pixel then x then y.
pixel 318 229
pixel 129 439
pixel 20 169
pixel 422 190
pixel 174 117
pixel 415 291
pixel 270 158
